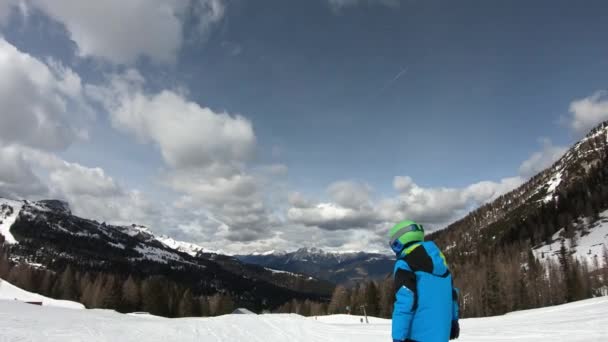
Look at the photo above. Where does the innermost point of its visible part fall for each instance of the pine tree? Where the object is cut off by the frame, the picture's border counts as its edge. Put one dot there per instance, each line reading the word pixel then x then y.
pixel 47 283
pixel 387 294
pixel 131 297
pixel 186 307
pixel 493 294
pixel 568 276
pixel 339 300
pixel 97 292
pixel 5 265
pixel 372 299
pixel 204 306
pixel 154 295
pixel 605 265
pixel 67 287
pixel 112 293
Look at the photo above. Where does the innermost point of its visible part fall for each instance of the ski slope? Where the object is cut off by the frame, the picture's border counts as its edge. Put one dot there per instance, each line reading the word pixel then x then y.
pixel 581 321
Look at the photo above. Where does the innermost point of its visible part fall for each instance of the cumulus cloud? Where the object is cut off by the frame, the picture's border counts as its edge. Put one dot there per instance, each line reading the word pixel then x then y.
pixel 438 206
pixel 42 104
pixel 352 205
pixel 89 190
pixel 122 31
pixel 207 153
pixel 17 180
pixel 350 194
pixel 350 208
pixel 187 134
pixel 589 111
pixel 542 159
pixel 331 216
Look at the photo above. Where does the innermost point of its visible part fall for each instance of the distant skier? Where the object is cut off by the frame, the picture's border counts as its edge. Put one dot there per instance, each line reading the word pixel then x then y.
pixel 426 303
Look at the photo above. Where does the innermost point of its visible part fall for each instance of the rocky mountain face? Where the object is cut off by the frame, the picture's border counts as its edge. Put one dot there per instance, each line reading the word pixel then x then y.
pixel 339 268
pixel 46 234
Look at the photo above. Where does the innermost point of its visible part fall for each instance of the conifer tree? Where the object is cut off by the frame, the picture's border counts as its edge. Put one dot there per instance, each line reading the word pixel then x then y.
pixel 131 297
pixel 5 266
pixel 186 307
pixel 339 300
pixel 67 287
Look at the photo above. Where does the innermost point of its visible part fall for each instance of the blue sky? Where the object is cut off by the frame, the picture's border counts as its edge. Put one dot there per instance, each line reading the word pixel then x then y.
pixel 245 126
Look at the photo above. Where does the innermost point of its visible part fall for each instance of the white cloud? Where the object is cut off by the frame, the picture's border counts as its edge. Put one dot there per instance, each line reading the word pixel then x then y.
pixel 17 180
pixel 122 31
pixel 541 160
pixel 589 112
pixel 331 216
pixel 350 194
pixel 439 206
pixel 187 134
pixel 42 104
pixel 352 205
pixel 90 191
pixel 207 153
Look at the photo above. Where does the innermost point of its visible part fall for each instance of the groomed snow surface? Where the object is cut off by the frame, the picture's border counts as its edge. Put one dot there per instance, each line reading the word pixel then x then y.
pixel 581 321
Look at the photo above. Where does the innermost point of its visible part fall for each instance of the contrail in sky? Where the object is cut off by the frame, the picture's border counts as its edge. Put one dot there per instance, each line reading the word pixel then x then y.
pixel 401 72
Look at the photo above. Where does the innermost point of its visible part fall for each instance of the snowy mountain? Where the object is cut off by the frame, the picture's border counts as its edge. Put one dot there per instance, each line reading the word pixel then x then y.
pixel 558 199
pixel 340 268
pixel 508 255
pixel 46 235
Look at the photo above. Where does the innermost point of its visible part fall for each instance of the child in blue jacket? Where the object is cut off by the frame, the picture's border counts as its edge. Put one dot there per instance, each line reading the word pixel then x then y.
pixel 426 303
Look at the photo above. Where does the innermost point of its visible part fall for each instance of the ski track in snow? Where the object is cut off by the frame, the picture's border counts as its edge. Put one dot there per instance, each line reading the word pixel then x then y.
pixel 580 321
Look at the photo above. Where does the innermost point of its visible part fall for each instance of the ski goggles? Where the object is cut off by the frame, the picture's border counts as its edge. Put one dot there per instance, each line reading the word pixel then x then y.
pixel 396 245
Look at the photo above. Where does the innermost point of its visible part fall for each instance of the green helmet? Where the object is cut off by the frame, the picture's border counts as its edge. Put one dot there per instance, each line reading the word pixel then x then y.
pixel 405 233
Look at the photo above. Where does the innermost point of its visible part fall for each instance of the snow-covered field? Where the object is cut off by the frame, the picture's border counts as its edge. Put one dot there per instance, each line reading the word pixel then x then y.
pixel 581 321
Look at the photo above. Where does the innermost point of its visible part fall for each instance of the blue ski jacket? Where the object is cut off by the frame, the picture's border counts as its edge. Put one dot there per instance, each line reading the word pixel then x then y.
pixel 426 304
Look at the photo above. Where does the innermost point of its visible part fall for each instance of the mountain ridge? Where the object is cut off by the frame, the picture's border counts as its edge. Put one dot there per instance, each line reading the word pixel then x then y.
pixel 46 234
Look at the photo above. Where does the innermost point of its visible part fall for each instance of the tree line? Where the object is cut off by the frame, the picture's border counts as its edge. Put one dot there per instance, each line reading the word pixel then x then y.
pixel 508 280
pixel 154 294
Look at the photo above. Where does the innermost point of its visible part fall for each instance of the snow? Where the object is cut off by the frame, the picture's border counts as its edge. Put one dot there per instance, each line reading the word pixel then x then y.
pixel 6 220
pixel 589 247
pixel 580 321
pixel 9 292
pixel 283 272
pixel 184 247
pixel 553 184
pixel 156 254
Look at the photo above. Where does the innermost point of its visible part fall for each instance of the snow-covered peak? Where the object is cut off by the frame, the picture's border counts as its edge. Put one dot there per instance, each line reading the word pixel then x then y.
pixel 184 247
